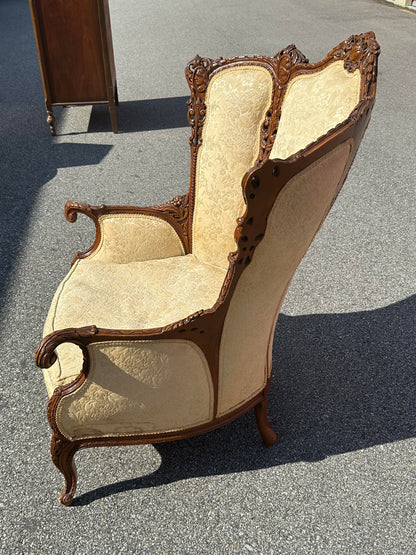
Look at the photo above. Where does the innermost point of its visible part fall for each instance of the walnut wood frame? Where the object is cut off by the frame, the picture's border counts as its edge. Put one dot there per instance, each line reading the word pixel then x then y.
pixel 261 186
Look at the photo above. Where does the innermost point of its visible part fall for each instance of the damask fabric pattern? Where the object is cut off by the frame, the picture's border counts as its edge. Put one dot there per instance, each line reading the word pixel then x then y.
pixel 139 387
pixel 237 100
pixel 135 237
pixel 296 216
pixel 138 295
pixel 313 104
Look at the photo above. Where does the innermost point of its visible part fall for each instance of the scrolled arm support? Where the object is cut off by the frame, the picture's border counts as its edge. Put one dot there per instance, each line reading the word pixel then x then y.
pixel 73 208
pixel 45 354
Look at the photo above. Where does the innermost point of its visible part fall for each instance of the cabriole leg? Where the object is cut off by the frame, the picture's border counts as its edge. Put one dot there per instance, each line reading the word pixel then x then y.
pixel 63 451
pixel 267 434
pixel 51 119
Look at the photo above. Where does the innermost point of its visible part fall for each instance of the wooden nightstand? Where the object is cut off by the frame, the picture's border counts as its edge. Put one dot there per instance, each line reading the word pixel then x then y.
pixel 75 49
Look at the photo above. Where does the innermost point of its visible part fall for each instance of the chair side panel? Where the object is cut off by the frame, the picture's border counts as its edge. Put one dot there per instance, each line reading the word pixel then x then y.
pixel 139 387
pixel 295 218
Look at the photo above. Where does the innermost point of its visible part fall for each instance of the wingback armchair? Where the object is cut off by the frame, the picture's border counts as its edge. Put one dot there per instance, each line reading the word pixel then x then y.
pixel 164 327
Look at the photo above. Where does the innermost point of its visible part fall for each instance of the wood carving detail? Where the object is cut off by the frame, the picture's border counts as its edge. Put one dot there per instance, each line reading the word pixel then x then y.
pixel 178 210
pixel 360 52
pixel 51 120
pixel 175 212
pixel 285 61
pixel 197 74
pixel 45 354
pixel 62 452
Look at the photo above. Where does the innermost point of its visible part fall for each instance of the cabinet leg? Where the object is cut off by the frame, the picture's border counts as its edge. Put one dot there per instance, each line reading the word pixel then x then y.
pixel 113 116
pixel 50 120
pixel 116 95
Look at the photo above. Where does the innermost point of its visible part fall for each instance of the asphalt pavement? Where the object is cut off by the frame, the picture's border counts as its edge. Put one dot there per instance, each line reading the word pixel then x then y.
pixel 342 477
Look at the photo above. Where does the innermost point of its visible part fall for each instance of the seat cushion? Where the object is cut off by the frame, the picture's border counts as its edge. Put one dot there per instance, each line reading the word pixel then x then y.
pixel 137 295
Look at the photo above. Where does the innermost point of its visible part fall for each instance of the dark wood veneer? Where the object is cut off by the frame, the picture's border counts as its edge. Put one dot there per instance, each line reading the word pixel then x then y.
pixel 261 186
pixel 75 50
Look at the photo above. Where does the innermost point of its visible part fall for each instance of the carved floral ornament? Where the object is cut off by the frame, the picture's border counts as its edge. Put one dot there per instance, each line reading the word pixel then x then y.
pixel 285 61
pixel 358 52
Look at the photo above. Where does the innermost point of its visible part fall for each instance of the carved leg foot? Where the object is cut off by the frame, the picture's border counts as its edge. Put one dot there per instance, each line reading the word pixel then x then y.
pixel 268 436
pixel 51 119
pixel 63 452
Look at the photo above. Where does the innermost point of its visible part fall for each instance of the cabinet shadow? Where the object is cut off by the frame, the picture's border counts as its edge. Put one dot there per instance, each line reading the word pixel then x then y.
pixel 141 115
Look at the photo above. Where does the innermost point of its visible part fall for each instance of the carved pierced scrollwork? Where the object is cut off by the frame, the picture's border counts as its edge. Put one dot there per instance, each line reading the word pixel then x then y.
pixel 197 74
pixel 285 61
pixel 282 65
pixel 178 210
pixel 360 52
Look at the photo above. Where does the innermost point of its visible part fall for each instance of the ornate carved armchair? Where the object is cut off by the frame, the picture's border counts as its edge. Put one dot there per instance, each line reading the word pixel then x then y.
pixel 164 327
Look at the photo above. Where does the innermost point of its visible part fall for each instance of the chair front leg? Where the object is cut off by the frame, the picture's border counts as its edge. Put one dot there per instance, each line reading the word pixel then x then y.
pixel 63 451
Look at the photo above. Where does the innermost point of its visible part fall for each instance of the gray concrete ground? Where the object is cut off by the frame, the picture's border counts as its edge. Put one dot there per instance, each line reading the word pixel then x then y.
pixel 342 477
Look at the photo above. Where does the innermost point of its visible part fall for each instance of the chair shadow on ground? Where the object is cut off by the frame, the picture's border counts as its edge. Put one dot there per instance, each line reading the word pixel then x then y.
pixel 342 382
pixel 141 115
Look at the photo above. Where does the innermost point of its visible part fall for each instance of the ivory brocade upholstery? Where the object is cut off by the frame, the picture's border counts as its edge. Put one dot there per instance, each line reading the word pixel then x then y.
pixel 135 237
pixel 135 295
pixel 139 277
pixel 237 100
pixel 138 387
pixel 313 104
pixel 296 216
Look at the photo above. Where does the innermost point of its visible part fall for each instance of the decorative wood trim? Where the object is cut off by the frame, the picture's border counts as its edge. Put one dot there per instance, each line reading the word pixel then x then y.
pixel 261 186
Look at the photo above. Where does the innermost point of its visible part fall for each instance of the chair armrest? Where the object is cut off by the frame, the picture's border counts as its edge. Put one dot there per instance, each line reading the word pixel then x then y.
pixel 45 354
pixel 130 233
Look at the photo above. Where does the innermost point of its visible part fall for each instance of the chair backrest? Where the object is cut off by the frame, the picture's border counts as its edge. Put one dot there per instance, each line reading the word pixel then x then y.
pixel 237 99
pixel 245 113
pixel 237 105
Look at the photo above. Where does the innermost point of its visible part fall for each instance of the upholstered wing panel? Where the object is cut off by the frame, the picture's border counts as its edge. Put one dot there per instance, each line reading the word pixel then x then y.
pixel 236 101
pixel 249 325
pixel 139 387
pixel 314 103
pixel 135 237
